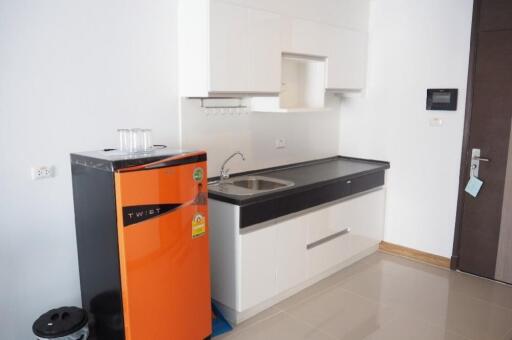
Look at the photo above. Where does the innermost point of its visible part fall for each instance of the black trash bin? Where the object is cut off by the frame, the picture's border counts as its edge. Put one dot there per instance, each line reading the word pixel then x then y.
pixel 65 323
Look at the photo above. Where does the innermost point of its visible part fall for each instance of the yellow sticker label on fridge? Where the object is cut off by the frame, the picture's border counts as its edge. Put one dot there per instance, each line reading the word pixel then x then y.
pixel 198 225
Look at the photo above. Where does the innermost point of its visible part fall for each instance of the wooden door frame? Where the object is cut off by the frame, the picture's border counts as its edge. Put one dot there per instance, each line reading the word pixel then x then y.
pixel 464 163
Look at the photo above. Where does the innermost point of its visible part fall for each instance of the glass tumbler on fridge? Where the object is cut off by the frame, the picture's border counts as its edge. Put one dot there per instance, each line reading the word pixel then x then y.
pixel 136 140
pixel 124 140
pixel 146 140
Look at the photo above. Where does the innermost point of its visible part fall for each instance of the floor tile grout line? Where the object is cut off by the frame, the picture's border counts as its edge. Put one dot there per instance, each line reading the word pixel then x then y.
pixel 444 327
pixel 419 317
pixel 507 333
pixel 467 294
pixel 403 308
pixel 316 328
pixel 353 294
pixel 243 329
pixel 458 272
pixel 316 294
pixel 457 291
pixel 340 283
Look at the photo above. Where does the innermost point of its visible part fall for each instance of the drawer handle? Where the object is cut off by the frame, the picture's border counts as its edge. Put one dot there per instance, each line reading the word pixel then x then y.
pixel 328 238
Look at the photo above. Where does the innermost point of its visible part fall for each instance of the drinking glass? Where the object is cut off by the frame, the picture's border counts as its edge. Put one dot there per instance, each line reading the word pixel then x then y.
pixel 136 140
pixel 146 140
pixel 124 140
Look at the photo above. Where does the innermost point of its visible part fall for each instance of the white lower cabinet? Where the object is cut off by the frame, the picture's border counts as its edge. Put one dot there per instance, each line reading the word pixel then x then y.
pixel 274 259
pixel 291 253
pixel 257 267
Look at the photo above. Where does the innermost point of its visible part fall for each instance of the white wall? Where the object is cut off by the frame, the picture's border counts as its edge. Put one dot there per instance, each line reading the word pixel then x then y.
pixel 71 72
pixel 414 45
pixel 308 136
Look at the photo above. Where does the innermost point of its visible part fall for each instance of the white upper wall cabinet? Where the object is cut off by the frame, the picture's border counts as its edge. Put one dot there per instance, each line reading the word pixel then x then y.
pixel 350 14
pixel 228 49
pixel 347 59
pixel 235 46
pixel 264 51
pixel 345 50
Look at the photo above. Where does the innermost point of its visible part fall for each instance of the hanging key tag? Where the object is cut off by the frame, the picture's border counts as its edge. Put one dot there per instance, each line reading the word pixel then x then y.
pixel 474 185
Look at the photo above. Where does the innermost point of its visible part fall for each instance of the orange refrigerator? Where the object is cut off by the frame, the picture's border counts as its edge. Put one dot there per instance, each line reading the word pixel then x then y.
pixel 142 240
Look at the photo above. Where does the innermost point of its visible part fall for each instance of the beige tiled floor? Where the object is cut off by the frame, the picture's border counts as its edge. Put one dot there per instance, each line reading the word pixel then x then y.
pixel 387 297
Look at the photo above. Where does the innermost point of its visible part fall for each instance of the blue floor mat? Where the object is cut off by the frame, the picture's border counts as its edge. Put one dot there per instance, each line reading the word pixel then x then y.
pixel 219 323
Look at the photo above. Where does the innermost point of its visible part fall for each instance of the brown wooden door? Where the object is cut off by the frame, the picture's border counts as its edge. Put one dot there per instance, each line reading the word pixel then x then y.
pixel 486 229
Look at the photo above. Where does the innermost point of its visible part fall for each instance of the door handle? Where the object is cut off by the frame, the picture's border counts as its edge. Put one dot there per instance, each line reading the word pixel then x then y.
pixel 475 162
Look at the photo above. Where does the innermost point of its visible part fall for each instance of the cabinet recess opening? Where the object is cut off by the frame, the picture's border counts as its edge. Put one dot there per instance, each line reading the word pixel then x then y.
pixel 302 81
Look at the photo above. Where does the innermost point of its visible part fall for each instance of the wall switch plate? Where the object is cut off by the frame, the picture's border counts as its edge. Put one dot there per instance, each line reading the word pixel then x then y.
pixel 280 143
pixel 41 172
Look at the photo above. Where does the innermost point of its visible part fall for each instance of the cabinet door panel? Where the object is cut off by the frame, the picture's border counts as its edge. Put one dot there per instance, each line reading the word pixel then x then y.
pixel 229 48
pixel 308 37
pixel 365 215
pixel 257 267
pixel 265 51
pixel 291 253
pixel 347 59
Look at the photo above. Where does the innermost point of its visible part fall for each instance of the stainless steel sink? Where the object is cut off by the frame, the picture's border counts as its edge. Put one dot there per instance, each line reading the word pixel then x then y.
pixel 249 185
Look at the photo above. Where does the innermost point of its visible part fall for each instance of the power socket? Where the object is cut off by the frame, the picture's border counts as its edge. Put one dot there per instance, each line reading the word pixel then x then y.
pixel 42 172
pixel 280 143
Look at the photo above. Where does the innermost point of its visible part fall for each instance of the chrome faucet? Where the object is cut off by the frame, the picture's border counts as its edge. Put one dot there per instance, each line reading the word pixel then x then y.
pixel 224 173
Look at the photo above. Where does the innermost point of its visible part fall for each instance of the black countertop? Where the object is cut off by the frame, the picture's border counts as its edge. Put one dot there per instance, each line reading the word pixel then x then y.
pixel 306 176
pixel 316 183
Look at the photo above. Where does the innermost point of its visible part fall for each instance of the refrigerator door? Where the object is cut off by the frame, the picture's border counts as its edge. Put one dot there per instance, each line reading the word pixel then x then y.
pixel 164 256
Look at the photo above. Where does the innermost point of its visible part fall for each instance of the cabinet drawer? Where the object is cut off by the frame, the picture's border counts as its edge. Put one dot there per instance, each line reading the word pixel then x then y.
pixel 326 255
pixel 363 215
pixel 343 230
pixel 327 222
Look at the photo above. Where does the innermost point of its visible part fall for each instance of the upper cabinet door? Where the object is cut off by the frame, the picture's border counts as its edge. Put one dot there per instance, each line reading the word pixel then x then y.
pixel 309 37
pixel 229 48
pixel 347 58
pixel 264 51
pixel 345 51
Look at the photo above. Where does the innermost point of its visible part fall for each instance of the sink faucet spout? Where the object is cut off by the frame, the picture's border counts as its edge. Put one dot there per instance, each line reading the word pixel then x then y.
pixel 224 173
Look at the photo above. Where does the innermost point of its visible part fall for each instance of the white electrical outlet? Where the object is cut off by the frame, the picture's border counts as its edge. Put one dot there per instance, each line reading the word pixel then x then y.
pixel 280 143
pixel 41 172
pixel 436 122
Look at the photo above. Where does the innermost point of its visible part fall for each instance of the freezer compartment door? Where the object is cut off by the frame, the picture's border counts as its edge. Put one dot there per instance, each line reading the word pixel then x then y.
pixel 164 255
